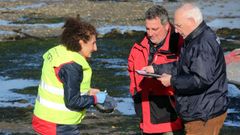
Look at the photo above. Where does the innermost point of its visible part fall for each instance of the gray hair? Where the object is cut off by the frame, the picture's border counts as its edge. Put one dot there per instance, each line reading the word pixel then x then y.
pixel 157 11
pixel 193 11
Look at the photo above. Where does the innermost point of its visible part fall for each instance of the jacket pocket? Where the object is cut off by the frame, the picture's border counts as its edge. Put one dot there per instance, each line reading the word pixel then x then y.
pixel 161 109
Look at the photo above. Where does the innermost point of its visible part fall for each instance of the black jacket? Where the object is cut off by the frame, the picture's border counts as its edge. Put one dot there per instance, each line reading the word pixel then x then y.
pixel 71 75
pixel 200 81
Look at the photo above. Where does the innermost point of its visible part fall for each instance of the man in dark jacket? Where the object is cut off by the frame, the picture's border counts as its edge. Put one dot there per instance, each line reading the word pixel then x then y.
pixel 200 82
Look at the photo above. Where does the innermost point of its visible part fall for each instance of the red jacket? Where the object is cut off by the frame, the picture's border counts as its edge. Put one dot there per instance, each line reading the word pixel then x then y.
pixel 138 59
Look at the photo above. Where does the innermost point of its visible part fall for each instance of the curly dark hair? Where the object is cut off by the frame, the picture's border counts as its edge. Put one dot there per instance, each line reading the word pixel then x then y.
pixel 75 30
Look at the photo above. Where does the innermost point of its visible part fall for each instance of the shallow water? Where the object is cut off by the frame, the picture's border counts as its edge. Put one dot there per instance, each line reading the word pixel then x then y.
pixel 11 99
pixel 31 26
pixel 23 7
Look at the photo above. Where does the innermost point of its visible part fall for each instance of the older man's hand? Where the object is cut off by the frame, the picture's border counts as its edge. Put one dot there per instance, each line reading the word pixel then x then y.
pixel 165 79
pixel 148 69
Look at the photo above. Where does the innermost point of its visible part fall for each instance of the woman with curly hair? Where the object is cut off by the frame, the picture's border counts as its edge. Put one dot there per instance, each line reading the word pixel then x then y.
pixel 65 92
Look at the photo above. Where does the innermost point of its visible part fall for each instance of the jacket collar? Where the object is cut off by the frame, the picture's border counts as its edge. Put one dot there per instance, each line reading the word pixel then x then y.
pixel 195 32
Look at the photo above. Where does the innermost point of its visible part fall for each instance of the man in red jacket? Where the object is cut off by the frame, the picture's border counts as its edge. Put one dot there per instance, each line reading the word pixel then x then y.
pixel 153 102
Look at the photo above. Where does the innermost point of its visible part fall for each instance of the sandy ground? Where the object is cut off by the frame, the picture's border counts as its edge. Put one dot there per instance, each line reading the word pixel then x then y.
pixel 217 13
pixel 97 13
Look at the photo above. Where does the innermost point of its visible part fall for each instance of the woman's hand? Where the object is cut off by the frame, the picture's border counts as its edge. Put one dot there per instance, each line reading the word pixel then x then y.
pixel 93 91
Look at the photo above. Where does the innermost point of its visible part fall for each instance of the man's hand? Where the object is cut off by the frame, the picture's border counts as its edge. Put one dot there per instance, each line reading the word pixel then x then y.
pixel 148 69
pixel 165 79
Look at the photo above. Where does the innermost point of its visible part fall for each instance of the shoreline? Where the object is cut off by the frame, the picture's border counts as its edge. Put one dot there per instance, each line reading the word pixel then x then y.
pixel 19 17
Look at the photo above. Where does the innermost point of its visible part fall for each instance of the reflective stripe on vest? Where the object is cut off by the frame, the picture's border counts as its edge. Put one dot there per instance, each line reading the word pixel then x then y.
pixel 52 105
pixel 54 90
pixel 51 89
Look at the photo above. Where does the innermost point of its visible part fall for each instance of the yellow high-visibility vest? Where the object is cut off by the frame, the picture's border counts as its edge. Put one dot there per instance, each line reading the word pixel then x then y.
pixel 49 104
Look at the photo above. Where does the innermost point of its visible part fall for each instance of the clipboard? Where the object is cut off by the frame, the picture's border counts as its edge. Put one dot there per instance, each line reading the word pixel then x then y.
pixel 145 74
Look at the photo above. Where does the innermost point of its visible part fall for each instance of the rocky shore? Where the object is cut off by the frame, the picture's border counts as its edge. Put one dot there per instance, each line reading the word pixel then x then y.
pixel 100 13
pixel 44 18
pixel 30 18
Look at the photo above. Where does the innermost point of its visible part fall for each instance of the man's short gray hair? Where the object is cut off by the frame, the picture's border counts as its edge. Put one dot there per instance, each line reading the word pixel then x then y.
pixel 193 11
pixel 157 11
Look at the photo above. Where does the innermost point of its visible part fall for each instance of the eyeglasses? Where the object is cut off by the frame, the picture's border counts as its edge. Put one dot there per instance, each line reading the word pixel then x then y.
pixel 178 25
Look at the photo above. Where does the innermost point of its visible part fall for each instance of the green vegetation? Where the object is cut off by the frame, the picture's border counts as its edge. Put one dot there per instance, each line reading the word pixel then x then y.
pixel 17 114
pixel 229 45
pixel 230 37
pixel 117 124
pixel 227 32
pixel 23 58
pixel 230 130
pixel 28 90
